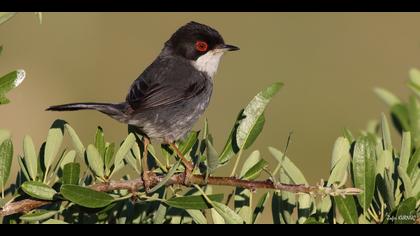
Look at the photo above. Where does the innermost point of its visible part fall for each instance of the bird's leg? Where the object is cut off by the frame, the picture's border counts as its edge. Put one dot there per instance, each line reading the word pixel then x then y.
pixel 146 171
pixel 188 165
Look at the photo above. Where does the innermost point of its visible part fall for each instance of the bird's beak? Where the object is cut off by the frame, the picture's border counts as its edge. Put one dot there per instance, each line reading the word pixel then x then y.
pixel 227 47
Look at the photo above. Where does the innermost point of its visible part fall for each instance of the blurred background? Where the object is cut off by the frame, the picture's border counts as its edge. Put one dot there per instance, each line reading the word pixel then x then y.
pixel 329 63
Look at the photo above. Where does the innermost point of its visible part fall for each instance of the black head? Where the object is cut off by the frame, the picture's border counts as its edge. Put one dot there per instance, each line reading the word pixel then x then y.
pixel 194 39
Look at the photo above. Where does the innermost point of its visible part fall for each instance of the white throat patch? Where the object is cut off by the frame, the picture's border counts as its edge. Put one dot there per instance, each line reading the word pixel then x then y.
pixel 209 62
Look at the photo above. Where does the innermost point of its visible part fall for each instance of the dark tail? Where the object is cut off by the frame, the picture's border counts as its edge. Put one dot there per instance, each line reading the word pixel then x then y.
pixel 116 111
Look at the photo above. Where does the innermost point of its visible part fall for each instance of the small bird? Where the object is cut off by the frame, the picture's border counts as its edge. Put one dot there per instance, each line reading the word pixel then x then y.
pixel 165 101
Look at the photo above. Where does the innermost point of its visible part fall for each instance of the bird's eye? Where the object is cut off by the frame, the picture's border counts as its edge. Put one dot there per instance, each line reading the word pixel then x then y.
pixel 201 46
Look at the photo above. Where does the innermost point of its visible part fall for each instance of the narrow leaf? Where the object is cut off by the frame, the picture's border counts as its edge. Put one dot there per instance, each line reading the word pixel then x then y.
pixel 260 207
pixel 71 173
pixel 413 165
pixel 68 158
pixel 167 177
pixel 95 161
pixel 31 158
pixel 53 144
pixel 364 170
pixel 405 150
pixel 406 212
pixel 212 157
pixel 38 215
pixel 387 97
pixel 86 197
pixel 386 133
pixel 100 141
pixel 124 148
pixel 290 169
pixel 78 145
pixel 197 216
pixel 6 156
pixel 186 145
pixel 194 202
pixel 251 125
pixel 347 207
pixel 38 190
pixel 255 171
pixel 408 189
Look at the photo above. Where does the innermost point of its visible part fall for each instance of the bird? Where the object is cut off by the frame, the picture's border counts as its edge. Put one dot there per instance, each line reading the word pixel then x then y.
pixel 169 96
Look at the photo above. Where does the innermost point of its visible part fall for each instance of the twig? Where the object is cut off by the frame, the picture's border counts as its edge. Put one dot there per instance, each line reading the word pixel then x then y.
pixel 179 179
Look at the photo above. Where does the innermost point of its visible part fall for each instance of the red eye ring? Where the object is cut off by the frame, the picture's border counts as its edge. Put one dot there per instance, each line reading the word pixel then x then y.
pixel 201 46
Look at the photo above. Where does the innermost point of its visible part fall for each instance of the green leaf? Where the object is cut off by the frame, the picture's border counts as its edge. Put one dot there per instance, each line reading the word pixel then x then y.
pixel 100 141
pixel 194 202
pixel 124 149
pixel 347 207
pixel 9 82
pixel 5 16
pixel 312 221
pixel 38 190
pixel 283 203
pixel 109 154
pixel 414 119
pixel 186 145
pixel 197 216
pixel 95 161
pixel 71 173
pixel 1 49
pixel 386 133
pixel 243 204
pixel 290 169
pixel 38 215
pixel 132 159
pixel 76 140
pixel 340 150
pixel 387 97
pixel 339 172
pixel 217 218
pixel 23 168
pixel 413 165
pixel 228 214
pixel 167 177
pixel 53 144
pixel 364 170
pixel 349 136
pixel 408 189
pixel 159 217
pixel 231 147
pixel 252 160
pixel 85 197
pixel 406 212
pixel 255 171
pixel 68 158
pixel 405 150
pixel 305 207
pixel 212 157
pixel 31 158
pixel 400 116
pixel 251 125
pixel 260 207
pixel 6 156
pixel 54 222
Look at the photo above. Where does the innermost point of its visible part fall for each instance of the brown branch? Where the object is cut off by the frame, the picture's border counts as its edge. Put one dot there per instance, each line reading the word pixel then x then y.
pixel 179 179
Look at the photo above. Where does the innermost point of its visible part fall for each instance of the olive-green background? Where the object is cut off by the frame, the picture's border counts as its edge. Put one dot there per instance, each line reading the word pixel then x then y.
pixel 329 62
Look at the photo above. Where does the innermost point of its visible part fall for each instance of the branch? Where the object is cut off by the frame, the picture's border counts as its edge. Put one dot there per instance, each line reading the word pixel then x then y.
pixel 179 179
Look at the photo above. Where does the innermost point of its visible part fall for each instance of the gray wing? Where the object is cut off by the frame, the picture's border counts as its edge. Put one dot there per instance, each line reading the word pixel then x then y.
pixel 165 82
